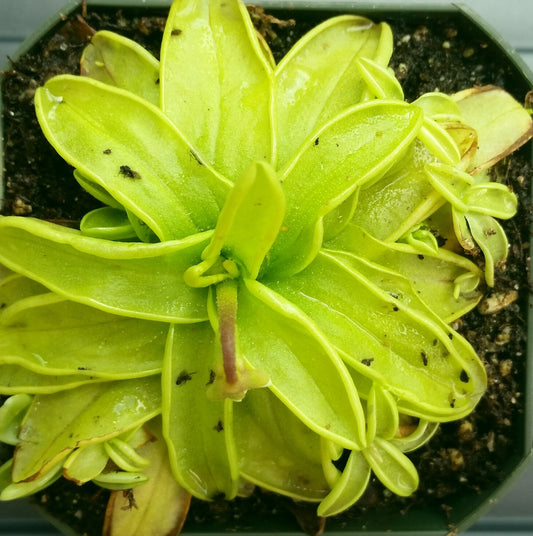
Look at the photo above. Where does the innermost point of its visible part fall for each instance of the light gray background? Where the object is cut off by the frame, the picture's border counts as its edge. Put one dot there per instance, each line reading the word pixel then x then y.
pixel 513 19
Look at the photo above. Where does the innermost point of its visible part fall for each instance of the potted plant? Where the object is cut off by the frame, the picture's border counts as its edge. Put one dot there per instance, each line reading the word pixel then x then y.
pixel 273 288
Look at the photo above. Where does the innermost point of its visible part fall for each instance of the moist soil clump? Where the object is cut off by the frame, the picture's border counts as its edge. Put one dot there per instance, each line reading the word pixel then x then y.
pixel 430 55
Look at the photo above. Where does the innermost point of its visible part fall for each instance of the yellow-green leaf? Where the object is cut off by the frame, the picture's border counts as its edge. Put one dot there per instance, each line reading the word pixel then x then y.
pixel 92 414
pixel 277 338
pixel 197 429
pixel 165 184
pixel 121 62
pixel 157 507
pixel 276 450
pixel 352 150
pixel 250 220
pixel 117 277
pixel 502 124
pixel 318 78
pixel 216 84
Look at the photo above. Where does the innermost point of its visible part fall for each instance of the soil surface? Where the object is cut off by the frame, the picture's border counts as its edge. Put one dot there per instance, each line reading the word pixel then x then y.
pixel 431 54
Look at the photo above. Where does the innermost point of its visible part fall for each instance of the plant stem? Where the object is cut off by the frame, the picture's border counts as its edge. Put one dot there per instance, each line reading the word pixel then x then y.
pixel 227 315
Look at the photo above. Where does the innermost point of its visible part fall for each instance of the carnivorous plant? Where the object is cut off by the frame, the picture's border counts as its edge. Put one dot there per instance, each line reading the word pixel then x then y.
pixel 269 283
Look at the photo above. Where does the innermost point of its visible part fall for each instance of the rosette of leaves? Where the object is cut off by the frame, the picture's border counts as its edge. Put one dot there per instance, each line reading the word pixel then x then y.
pixel 268 286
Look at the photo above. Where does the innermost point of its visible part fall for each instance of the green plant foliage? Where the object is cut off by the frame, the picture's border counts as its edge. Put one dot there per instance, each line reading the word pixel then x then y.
pixel 120 62
pixel 131 514
pixel 264 297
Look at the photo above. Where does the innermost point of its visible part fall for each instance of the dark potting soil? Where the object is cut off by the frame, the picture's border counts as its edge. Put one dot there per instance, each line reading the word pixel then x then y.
pixel 431 54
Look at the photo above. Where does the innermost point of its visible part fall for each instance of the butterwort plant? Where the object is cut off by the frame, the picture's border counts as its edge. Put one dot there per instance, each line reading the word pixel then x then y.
pixel 265 296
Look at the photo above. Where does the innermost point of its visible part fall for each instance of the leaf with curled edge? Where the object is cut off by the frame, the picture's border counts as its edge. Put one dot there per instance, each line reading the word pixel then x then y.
pixel 318 78
pixel 492 240
pixel 381 414
pixel 439 142
pixel 250 220
pixel 439 107
pixel 166 185
pixel 388 335
pixel 93 343
pixel 10 490
pixel 15 287
pixel 466 377
pixel 118 61
pixel 119 480
pixel 277 338
pixel 501 123
pixel 85 463
pixel 116 277
pixel 434 274
pixel 276 450
pixel 198 430
pixel 217 84
pixel 158 506
pixel 12 412
pixel 443 109
pixel 15 379
pixel 474 202
pixel 349 487
pixel 88 415
pixel 379 79
pixel 491 199
pixel 88 462
pixel 354 149
pixel 421 433
pixel 108 223
pixel 393 468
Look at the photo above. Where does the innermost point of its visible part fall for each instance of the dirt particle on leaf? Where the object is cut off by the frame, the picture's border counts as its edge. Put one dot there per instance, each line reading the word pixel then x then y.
pixel 196 158
pixel 184 377
pixel 212 376
pixel 126 171
pixel 129 495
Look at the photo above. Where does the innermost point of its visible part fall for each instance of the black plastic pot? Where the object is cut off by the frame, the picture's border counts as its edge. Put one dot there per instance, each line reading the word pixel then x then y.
pixel 465 507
